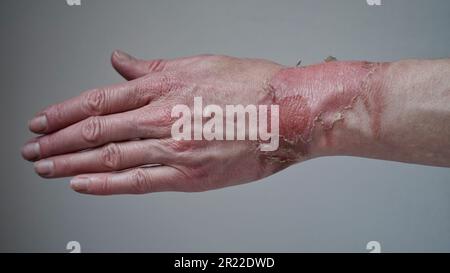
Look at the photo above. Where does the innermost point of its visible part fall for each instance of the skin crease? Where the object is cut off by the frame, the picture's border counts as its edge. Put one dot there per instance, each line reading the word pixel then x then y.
pixel 116 139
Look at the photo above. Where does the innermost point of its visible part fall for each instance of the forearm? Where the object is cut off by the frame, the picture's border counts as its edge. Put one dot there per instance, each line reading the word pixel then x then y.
pixel 394 111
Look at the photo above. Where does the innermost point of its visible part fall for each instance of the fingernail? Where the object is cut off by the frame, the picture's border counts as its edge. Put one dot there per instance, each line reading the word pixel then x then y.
pixel 38 124
pixel 80 184
pixel 44 167
pixel 122 56
pixel 31 151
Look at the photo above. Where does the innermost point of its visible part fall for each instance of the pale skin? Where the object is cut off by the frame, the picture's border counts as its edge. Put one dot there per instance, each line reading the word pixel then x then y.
pixel 117 139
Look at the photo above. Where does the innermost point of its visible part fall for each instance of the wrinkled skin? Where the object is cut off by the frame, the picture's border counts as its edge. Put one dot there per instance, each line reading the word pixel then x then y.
pixel 117 139
pixel 128 125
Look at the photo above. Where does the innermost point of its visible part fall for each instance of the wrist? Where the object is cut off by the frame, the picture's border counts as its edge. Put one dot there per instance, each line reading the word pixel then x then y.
pixel 329 108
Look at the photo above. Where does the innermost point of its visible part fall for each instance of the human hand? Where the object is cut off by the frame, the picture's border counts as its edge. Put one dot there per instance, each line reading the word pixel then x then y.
pixel 105 136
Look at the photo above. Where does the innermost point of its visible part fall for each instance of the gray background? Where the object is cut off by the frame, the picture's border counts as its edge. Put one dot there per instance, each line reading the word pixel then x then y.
pixel 51 52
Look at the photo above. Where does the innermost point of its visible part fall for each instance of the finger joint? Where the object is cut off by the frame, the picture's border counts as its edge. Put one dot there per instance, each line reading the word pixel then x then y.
pixel 95 102
pixel 92 130
pixel 111 156
pixel 140 181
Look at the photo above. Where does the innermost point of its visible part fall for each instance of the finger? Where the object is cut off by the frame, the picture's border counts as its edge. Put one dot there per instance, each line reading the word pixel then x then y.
pixel 111 157
pixel 89 133
pixel 135 181
pixel 131 68
pixel 100 101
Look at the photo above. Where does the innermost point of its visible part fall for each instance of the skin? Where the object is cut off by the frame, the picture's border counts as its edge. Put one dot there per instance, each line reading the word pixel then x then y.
pixel 116 139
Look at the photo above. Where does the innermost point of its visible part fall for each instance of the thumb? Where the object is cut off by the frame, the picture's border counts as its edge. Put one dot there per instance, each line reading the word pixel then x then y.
pixel 131 68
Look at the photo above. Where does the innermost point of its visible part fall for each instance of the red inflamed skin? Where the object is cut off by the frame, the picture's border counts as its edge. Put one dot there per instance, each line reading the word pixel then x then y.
pixel 315 99
pixel 117 139
pixel 394 111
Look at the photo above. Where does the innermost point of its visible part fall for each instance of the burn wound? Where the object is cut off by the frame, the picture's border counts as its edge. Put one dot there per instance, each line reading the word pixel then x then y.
pixel 296 115
pixel 319 96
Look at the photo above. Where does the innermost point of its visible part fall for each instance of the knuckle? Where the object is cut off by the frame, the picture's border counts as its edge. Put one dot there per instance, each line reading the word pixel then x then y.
pixel 141 95
pixel 161 83
pixel 94 102
pixel 157 125
pixel 111 156
pixel 91 130
pixel 163 117
pixel 140 182
pixel 167 82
